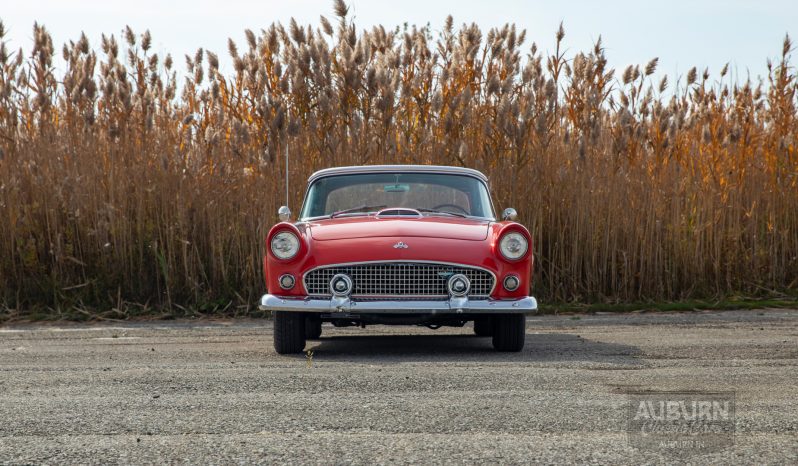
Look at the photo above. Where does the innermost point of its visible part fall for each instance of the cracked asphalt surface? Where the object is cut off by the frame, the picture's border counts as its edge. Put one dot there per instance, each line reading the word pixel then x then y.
pixel 216 392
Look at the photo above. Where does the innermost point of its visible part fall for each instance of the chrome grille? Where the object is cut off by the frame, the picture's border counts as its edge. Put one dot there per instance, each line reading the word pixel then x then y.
pixel 406 279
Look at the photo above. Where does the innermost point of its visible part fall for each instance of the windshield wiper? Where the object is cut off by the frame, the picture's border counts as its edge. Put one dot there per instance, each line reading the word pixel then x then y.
pixel 358 209
pixel 433 211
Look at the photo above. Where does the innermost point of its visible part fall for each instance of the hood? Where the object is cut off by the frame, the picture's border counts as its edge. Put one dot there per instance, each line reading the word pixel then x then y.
pixel 373 227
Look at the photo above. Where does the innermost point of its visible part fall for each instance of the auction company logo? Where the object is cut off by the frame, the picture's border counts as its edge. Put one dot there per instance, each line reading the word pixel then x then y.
pixel 680 423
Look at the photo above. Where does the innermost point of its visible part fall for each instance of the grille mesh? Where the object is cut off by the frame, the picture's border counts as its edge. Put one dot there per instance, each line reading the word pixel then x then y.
pixel 406 279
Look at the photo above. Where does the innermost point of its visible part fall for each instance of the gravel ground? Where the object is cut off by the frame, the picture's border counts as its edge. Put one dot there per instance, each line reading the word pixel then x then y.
pixel 216 392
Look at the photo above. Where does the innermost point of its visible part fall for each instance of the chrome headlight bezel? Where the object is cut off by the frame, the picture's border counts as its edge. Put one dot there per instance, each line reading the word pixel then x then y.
pixel 284 245
pixel 513 246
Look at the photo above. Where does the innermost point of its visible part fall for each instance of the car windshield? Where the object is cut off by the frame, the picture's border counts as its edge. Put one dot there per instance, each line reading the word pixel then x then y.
pixel 430 193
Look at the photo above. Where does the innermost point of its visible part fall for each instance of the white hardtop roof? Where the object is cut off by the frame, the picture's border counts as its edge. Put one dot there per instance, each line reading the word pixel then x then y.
pixel 399 169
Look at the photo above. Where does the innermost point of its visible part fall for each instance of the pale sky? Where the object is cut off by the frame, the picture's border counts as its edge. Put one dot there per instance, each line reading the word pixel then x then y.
pixel 681 33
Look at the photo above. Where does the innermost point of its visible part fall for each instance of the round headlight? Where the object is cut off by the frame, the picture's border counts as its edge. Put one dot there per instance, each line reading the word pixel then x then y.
pixel 285 245
pixel 513 246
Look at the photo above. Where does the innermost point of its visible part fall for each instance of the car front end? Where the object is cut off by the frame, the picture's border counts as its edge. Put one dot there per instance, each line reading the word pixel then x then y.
pixel 400 262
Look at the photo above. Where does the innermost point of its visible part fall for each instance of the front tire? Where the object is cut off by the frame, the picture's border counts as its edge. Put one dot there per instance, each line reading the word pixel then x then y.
pixel 289 332
pixel 509 332
pixel 312 327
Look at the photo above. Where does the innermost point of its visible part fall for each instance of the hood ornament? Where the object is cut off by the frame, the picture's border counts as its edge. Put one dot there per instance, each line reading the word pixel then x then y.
pixel 400 245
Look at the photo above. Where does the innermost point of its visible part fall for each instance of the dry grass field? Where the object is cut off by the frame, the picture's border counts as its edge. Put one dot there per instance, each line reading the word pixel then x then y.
pixel 132 182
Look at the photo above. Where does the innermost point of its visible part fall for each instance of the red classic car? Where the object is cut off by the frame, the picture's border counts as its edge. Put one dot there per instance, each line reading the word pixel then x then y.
pixel 398 245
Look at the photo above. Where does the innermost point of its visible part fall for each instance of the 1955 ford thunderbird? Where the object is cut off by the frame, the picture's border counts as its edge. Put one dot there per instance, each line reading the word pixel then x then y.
pixel 398 245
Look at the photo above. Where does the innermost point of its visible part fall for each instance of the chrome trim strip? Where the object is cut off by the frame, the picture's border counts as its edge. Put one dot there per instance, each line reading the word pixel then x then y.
pixel 527 304
pixel 403 261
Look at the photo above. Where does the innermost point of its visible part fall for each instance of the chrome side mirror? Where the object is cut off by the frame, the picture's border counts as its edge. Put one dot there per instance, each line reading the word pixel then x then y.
pixel 509 214
pixel 284 213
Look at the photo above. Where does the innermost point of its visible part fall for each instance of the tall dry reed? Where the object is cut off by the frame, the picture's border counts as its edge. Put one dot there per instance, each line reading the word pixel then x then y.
pixel 125 181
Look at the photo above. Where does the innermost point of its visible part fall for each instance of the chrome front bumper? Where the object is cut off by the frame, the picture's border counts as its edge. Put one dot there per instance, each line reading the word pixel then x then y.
pixel 452 305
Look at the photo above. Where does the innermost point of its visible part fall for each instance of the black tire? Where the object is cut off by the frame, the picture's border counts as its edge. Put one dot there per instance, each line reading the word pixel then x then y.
pixel 509 332
pixel 289 332
pixel 312 327
pixel 483 326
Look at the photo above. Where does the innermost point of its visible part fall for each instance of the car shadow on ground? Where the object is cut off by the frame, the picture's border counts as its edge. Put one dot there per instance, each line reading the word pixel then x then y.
pixel 539 347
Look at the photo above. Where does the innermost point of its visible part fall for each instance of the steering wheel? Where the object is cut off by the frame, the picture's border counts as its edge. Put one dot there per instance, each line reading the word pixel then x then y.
pixel 441 206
